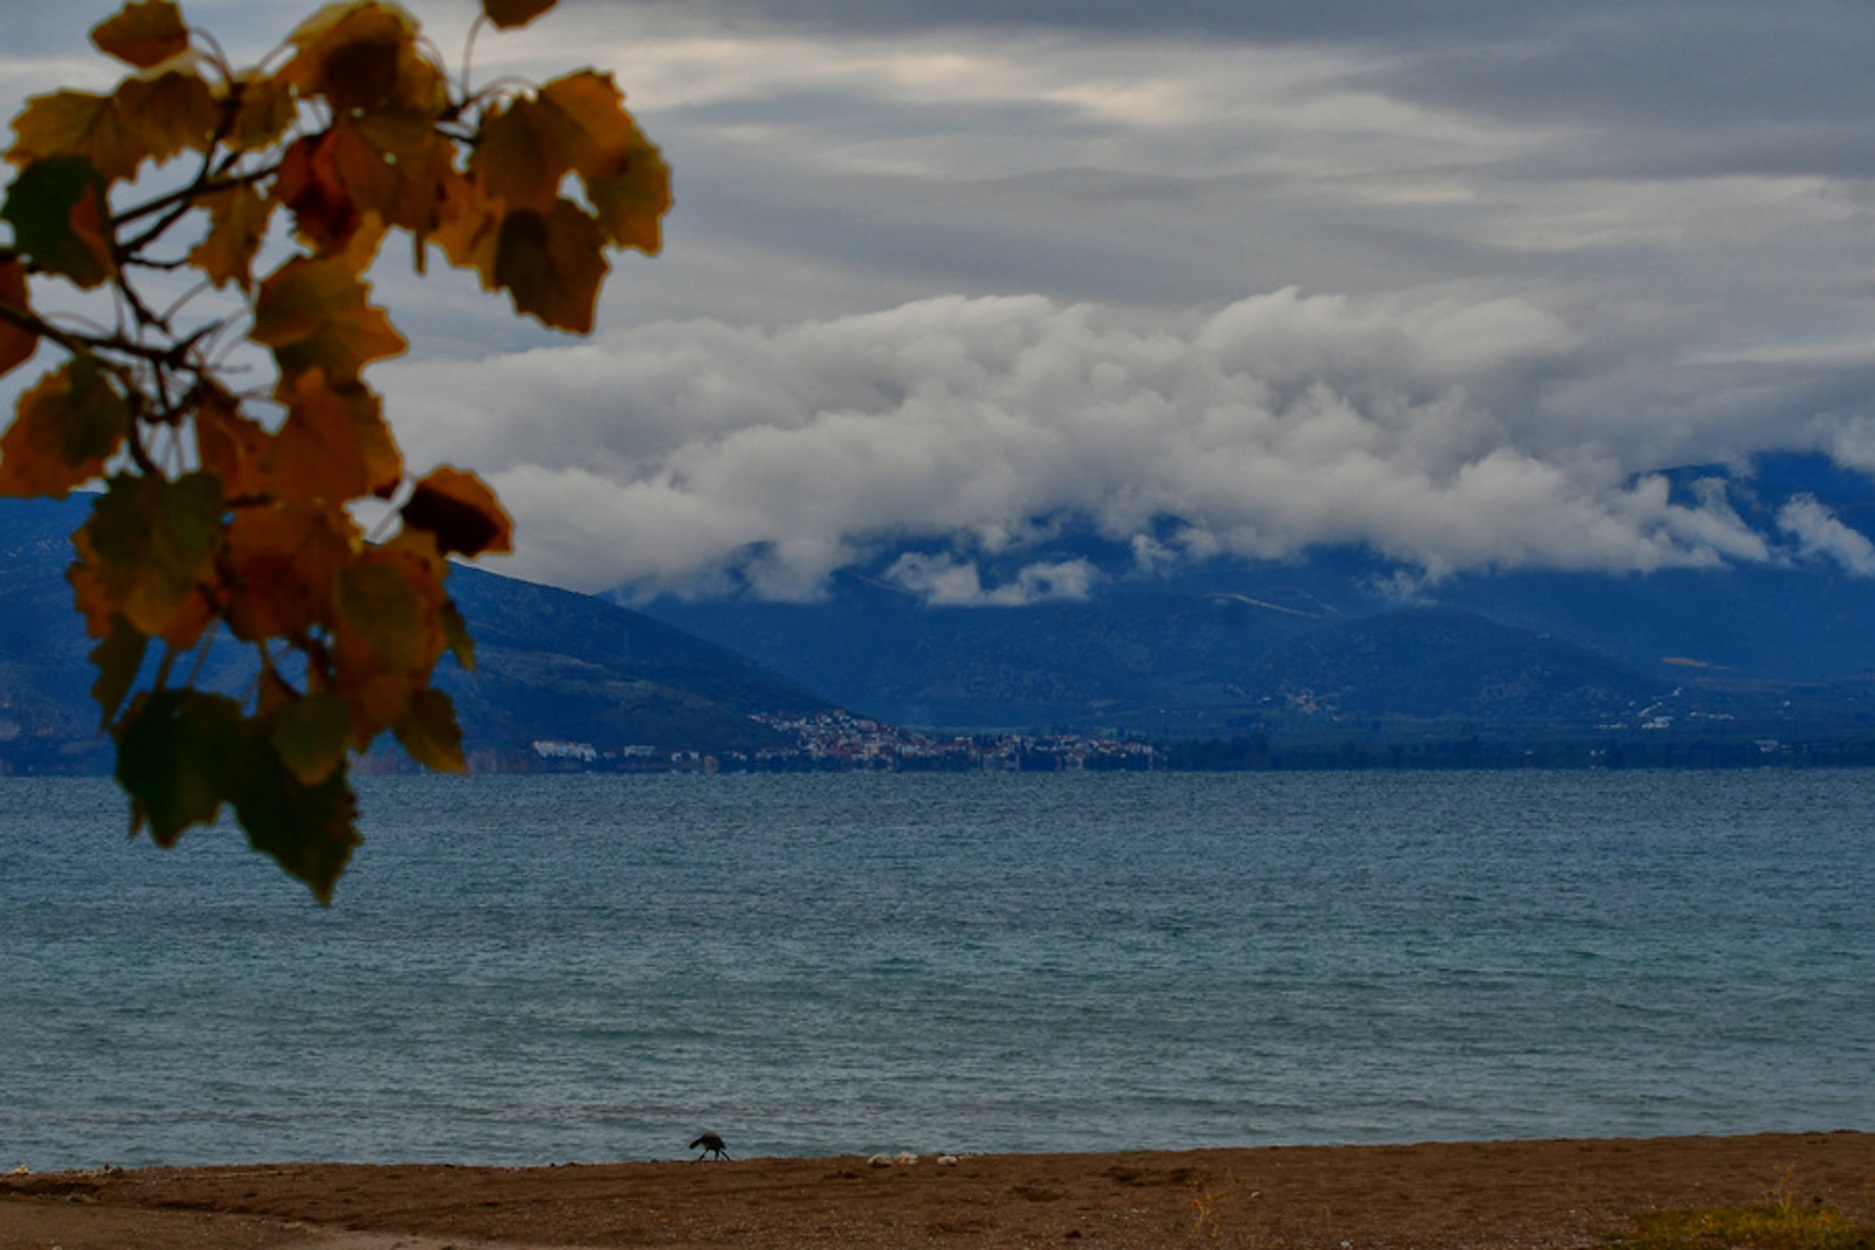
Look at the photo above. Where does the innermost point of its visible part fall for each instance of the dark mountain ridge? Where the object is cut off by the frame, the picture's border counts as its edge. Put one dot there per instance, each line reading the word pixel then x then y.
pixel 551 666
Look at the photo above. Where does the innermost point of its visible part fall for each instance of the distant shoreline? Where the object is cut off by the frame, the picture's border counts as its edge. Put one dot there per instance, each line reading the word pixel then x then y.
pixel 1632 753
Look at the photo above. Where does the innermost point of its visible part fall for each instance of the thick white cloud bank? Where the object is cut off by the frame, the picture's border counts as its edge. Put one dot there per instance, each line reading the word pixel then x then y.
pixel 662 456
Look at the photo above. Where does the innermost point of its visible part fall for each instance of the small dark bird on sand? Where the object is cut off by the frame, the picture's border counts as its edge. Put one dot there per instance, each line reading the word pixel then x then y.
pixel 712 1145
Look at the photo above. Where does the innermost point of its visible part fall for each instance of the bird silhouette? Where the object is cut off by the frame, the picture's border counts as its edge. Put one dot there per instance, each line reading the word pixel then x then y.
pixel 712 1145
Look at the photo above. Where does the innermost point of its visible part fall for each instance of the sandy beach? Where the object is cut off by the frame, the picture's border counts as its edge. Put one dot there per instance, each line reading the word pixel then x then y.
pixel 1447 1195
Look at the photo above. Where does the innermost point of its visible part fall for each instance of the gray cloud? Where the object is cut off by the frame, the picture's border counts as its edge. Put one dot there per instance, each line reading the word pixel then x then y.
pixel 1820 534
pixel 1515 255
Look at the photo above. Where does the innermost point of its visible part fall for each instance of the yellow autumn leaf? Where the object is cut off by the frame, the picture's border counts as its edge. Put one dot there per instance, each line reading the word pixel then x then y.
pixel 263 109
pixel 627 182
pixel 630 206
pixel 143 33
pixel 521 156
pixel 599 134
pixel 238 220
pixel 166 113
pixel 553 265
pixel 75 123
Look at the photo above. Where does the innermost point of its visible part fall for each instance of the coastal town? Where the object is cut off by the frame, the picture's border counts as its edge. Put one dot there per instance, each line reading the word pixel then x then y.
pixel 841 742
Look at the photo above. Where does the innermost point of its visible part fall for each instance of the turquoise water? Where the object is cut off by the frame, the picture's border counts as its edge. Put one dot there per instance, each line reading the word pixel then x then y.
pixel 534 970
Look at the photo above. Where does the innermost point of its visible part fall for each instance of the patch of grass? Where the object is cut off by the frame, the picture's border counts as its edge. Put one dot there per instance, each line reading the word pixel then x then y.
pixel 1762 1226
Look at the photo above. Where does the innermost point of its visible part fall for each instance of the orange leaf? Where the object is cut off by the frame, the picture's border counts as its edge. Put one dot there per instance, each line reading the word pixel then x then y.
pixel 461 512
pixel 553 265
pixel 17 343
pixel 334 445
pixel 143 33
pixel 168 113
pixel 237 227
pixel 314 315
pixel 508 14
pixel 393 165
pixel 280 566
pixel 66 428
pixel 147 554
pixel 365 56
pixel 231 447
pixel 324 214
pixel 75 123
pixel 521 155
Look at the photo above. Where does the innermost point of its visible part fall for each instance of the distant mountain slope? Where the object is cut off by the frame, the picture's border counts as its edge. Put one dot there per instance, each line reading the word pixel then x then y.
pixel 554 664
pixel 880 651
pixel 550 664
pixel 1439 664
pixel 1214 647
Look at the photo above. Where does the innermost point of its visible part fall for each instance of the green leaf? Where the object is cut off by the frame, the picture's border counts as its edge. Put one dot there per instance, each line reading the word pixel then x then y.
pixel 310 736
pixel 57 209
pixel 65 429
pixel 118 658
pixel 175 749
pixel 147 552
pixel 310 830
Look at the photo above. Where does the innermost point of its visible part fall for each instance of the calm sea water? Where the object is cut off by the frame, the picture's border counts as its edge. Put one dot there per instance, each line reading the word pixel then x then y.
pixel 534 970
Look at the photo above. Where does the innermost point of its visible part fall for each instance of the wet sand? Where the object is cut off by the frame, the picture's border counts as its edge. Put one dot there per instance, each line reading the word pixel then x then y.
pixel 1450 1196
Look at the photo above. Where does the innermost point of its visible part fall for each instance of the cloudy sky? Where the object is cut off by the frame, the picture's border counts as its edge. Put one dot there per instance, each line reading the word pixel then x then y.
pixel 1447 278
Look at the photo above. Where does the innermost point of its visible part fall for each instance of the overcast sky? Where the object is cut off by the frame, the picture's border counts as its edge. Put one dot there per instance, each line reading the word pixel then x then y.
pixel 1448 279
